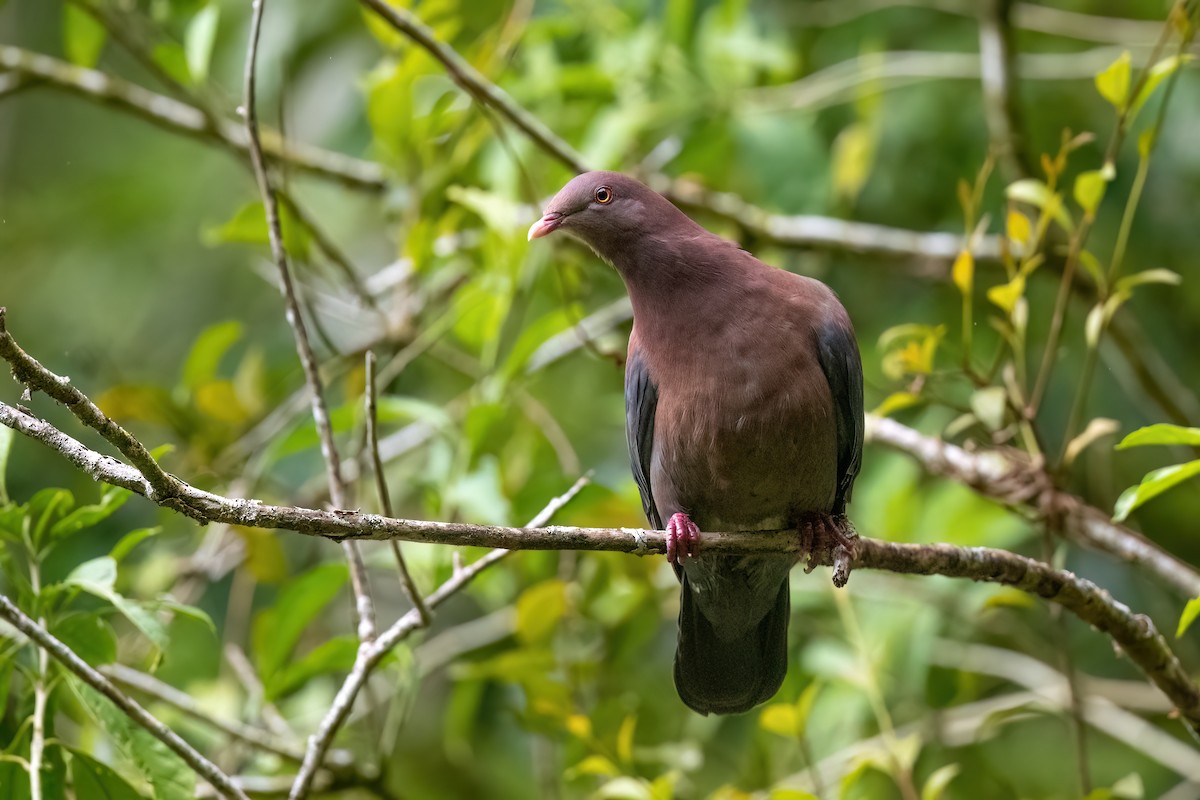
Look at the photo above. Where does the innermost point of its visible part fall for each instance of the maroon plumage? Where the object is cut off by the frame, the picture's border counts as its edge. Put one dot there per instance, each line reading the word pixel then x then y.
pixel 743 394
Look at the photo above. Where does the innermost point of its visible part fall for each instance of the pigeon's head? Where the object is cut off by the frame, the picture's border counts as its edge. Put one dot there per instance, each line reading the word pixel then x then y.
pixel 605 210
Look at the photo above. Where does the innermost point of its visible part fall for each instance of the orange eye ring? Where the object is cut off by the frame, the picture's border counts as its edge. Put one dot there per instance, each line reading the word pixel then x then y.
pixel 603 195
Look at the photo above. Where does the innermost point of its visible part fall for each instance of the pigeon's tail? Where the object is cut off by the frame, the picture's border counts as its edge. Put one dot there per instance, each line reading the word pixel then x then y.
pixel 714 675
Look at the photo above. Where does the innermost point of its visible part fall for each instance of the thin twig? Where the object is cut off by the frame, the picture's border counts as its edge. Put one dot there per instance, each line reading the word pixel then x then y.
pixel 86 673
pixel 385 498
pixel 370 654
pixel 183 118
pixel 247 734
pixel 312 372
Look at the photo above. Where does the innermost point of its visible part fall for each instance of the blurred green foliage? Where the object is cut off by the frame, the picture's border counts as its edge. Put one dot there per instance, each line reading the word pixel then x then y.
pixel 134 260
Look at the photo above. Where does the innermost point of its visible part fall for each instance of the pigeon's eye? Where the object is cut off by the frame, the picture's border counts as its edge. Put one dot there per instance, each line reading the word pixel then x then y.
pixel 603 195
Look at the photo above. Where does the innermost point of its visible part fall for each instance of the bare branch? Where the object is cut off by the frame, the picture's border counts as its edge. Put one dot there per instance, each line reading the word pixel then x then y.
pixel 385 498
pixel 239 731
pixel 312 371
pixel 180 117
pixel 86 673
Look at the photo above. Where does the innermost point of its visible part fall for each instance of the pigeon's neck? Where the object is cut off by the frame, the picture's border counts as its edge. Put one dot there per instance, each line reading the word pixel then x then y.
pixel 678 286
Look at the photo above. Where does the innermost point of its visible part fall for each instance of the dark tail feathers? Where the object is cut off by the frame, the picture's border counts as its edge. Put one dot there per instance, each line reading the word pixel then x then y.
pixel 714 676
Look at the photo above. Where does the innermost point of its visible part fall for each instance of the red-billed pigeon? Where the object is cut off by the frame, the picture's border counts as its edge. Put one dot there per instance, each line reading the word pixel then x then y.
pixel 744 411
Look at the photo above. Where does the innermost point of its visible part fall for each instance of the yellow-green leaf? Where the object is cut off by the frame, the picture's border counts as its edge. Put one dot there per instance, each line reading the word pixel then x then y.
pixel 963 272
pixel 1019 229
pixel 853 155
pixel 198 41
pixel 988 405
pixel 1158 73
pixel 1006 295
pixel 1089 190
pixel 1154 484
pixel 625 739
pixel 593 765
pixel 1037 194
pixel 1190 612
pixel 83 36
pixel 1149 276
pixel 936 783
pixel 780 719
pixel 897 401
pixel 1113 82
pixel 539 609
pixel 1096 429
pixel 1161 433
pixel 1094 326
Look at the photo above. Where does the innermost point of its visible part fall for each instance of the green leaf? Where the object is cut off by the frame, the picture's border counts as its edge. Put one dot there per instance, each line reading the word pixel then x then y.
pixel 790 794
pixel 83 36
pixel 1158 73
pixel 500 214
pixel 166 772
pixel 1093 327
pixel 111 499
pixel 1154 484
pixel 198 41
pixel 936 783
pixel 6 440
pixel 184 610
pixel 278 628
pixel 171 58
pixel 539 609
pixel 207 351
pixel 98 577
pixel 1089 190
pixel 1190 612
pixel 1161 433
pixel 1096 429
pixel 46 507
pixel 1036 193
pixel 334 655
pixel 1113 82
pixel 249 226
pixel 130 541
pixel 89 635
pixel 92 779
pixel 1149 276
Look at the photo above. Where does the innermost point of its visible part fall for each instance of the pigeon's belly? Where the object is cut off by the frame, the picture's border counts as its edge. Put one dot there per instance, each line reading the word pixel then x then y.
pixel 742 456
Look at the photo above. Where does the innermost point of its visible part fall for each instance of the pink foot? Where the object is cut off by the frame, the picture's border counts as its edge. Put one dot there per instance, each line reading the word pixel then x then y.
pixel 683 538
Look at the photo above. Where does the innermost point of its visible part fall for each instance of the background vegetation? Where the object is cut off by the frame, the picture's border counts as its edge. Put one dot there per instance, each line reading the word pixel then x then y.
pixel 133 258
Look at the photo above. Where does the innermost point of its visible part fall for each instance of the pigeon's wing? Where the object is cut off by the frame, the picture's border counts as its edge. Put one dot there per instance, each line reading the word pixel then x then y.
pixel 641 400
pixel 840 361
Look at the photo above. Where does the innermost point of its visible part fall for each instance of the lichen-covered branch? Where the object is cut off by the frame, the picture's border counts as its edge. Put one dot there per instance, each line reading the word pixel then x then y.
pixel 1133 632
pixel 1010 480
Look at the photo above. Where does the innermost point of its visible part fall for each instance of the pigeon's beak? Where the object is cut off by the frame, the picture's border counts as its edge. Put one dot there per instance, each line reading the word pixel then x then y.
pixel 546 225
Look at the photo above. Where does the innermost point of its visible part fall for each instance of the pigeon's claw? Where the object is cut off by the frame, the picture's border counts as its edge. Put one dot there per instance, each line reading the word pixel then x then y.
pixel 820 533
pixel 683 538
